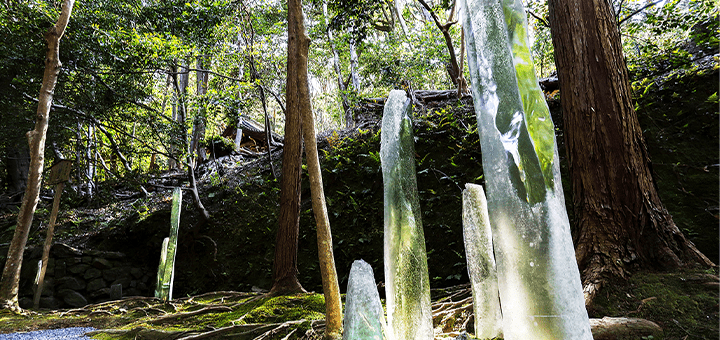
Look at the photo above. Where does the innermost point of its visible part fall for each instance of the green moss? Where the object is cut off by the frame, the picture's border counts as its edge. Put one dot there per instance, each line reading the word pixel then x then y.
pixel 286 308
pixel 681 303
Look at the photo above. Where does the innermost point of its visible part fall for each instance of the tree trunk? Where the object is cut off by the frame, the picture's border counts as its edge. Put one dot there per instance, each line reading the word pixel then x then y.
pixel 621 224
pixel 286 243
pixel 36 139
pixel 200 118
pixel 331 289
pixel 349 121
pixel 454 70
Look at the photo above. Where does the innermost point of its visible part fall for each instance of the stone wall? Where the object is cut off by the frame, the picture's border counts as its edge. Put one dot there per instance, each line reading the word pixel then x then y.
pixel 75 278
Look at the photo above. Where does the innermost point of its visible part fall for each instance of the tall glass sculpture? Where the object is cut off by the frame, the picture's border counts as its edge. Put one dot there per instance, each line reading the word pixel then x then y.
pixel 407 284
pixel 540 290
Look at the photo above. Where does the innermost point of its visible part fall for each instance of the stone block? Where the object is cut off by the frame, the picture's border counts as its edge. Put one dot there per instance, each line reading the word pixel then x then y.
pixel 73 298
pixel 78 268
pixel 116 292
pixel 71 282
pixel 92 273
pixel 113 274
pixel 101 263
pixel 124 281
pixel 63 251
pixel 136 272
pixel 100 293
pixel 95 285
pixel 50 303
pixel 60 268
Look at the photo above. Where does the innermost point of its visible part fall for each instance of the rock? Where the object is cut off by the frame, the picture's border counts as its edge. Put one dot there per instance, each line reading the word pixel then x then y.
pixel 60 268
pixel 132 292
pixel 124 281
pixel 73 298
pixel 102 292
pixel 116 292
pixel 136 272
pixel 87 259
pixel 462 336
pixel 113 255
pixel 101 263
pixel 92 273
pixel 96 284
pixel 49 303
pixel 61 250
pixel 113 274
pixel 78 268
pixel 25 302
pixel 609 328
pixel 71 282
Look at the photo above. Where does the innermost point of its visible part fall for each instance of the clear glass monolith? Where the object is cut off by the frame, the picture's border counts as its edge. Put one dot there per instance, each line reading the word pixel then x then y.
pixel 166 269
pixel 407 285
pixel 364 316
pixel 481 263
pixel 540 290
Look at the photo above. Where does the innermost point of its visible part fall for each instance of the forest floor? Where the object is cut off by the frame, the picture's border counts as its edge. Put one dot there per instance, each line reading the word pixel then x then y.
pixel 223 266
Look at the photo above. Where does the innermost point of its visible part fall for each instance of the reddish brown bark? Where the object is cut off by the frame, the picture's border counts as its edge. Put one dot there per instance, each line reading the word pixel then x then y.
pixel 286 243
pixel 621 223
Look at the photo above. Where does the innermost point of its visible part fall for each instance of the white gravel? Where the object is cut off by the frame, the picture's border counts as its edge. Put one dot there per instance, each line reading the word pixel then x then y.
pixel 74 333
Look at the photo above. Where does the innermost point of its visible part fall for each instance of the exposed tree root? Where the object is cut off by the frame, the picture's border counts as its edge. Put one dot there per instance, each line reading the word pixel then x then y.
pixel 204 310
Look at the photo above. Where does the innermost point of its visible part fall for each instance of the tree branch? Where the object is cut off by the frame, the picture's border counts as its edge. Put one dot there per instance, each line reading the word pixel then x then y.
pixel 637 11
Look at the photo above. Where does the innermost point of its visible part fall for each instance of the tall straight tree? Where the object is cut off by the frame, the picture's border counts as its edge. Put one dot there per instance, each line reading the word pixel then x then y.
pixel 285 271
pixel 36 138
pixel 331 288
pixel 621 224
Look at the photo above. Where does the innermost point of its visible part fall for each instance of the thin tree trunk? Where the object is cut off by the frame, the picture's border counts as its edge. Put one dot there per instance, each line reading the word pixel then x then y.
pixel 200 118
pixel 621 223
pixel 285 271
pixel 331 288
pixel 36 138
pixel 398 9
pixel 454 69
pixel 349 121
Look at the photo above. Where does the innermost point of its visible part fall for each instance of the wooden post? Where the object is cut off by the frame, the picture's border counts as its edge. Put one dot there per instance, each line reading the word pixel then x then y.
pixel 59 174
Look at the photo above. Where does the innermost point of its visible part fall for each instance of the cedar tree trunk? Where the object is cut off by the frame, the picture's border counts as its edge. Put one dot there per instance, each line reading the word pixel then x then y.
pixel 36 138
pixel 621 224
pixel 285 271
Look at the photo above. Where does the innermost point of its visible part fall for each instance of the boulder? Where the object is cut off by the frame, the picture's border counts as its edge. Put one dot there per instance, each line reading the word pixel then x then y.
pixel 96 284
pixel 73 298
pixel 71 282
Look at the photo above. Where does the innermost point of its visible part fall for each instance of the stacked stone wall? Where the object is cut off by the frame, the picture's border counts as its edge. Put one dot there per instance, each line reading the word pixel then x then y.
pixel 75 278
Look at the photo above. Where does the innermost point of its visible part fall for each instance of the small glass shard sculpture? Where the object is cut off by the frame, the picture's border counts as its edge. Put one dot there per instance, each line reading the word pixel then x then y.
pixel 481 263
pixel 166 268
pixel 364 316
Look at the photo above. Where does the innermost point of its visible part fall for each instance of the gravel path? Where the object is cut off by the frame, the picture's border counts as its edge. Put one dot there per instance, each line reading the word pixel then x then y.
pixel 74 333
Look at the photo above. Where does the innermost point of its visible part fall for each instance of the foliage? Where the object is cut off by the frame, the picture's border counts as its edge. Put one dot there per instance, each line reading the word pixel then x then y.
pixel 657 36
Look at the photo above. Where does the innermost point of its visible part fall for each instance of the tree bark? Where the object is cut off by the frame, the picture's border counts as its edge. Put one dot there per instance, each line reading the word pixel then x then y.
pixel 621 224
pixel 36 139
pixel 200 120
pixel 349 121
pixel 331 288
pixel 285 271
